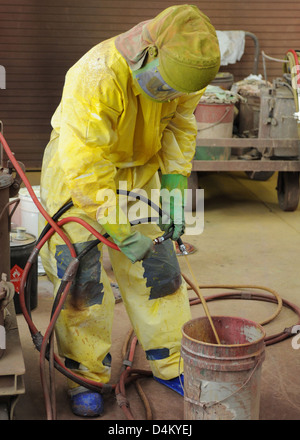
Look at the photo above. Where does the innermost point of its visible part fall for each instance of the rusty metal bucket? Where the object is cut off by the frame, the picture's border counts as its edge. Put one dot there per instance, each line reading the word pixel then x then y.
pixel 222 382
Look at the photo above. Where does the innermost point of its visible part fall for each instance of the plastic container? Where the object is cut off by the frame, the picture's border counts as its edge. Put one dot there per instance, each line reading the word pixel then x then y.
pixel 29 211
pixel 30 216
pixel 214 120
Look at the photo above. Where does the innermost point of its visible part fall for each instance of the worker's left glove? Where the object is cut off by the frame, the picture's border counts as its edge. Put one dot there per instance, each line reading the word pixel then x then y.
pixel 133 244
pixel 172 204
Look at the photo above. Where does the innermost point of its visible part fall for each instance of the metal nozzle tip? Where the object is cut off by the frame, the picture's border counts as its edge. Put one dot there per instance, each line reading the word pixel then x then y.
pixel 183 250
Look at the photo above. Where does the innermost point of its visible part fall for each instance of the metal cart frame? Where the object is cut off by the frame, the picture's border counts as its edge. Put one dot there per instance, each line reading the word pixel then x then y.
pixel 288 190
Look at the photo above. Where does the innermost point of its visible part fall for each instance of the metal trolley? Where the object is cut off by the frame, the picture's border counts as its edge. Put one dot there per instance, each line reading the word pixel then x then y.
pixel 278 136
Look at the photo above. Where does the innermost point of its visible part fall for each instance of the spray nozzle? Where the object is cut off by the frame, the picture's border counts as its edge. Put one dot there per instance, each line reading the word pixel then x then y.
pixel 182 247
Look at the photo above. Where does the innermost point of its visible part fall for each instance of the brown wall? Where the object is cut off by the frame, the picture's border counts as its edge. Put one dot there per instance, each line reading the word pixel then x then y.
pixel 41 39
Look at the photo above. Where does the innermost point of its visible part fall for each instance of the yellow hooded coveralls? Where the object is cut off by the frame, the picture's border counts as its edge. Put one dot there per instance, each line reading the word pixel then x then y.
pixel 105 131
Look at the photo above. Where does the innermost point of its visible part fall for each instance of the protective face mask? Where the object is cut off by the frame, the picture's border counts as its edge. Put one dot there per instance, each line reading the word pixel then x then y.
pixel 151 83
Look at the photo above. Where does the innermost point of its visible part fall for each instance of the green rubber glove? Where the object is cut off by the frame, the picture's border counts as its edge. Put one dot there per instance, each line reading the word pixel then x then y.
pixel 172 203
pixel 133 244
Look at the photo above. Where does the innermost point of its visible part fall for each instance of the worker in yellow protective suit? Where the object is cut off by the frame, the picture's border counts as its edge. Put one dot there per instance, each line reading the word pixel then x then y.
pixel 127 111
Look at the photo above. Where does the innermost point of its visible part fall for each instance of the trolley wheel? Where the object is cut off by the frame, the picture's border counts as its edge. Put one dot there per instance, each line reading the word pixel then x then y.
pixel 288 190
pixel 4 411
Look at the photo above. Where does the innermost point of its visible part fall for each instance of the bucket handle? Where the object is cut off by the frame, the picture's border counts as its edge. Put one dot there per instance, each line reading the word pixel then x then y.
pixel 227 110
pixel 205 405
pixel 227 358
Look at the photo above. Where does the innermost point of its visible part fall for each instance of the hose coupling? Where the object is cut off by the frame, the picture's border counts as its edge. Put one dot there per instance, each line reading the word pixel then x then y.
pixel 37 339
pixel 164 237
pixel 71 270
pixel 122 400
pixel 33 256
pixel 159 240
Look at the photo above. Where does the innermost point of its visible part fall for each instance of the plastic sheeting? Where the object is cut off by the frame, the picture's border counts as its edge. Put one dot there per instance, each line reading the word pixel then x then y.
pixel 250 86
pixel 217 95
pixel 232 46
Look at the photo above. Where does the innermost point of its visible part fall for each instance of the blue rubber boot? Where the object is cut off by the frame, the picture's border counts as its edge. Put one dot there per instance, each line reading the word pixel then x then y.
pixel 175 384
pixel 86 403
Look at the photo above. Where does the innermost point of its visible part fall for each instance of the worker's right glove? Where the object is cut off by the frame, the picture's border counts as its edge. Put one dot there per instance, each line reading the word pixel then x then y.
pixel 172 203
pixel 133 244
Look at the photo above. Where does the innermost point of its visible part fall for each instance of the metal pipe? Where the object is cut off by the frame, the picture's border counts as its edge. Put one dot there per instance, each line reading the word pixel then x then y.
pixel 256 53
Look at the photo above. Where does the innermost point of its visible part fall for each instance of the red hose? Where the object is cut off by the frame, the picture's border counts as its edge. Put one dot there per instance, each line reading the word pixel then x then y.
pixel 55 227
pixel 34 197
pixel 38 247
pixel 295 56
pixel 129 374
pixel 89 228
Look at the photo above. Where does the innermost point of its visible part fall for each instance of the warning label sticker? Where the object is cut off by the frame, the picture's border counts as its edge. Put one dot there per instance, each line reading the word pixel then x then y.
pixel 15 277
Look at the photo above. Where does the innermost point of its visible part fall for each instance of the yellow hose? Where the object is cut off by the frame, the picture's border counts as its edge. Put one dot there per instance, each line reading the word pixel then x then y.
pixel 245 286
pixel 202 299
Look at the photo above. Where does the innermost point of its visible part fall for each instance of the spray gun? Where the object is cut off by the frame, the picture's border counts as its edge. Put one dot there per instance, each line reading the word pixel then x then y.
pixel 180 243
pixel 168 235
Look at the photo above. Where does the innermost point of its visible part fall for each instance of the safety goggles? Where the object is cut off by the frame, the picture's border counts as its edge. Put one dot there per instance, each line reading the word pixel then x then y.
pixel 152 83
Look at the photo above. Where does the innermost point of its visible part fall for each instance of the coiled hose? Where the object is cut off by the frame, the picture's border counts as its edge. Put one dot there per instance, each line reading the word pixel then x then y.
pixel 45 343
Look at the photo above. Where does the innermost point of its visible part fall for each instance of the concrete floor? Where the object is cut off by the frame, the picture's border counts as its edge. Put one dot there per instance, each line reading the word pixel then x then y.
pixel 247 239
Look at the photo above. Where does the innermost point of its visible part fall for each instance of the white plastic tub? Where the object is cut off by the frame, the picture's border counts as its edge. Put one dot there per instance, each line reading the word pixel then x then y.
pixel 30 216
